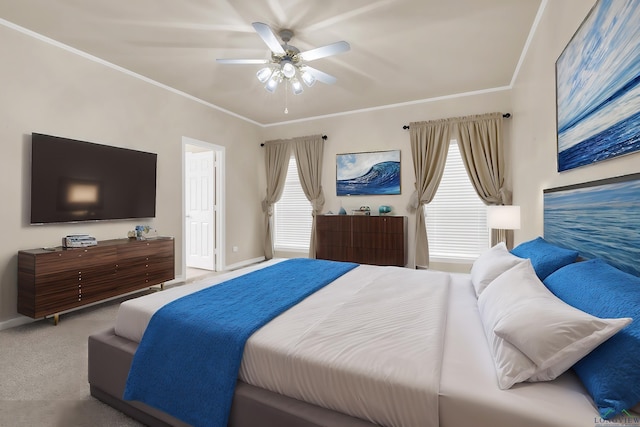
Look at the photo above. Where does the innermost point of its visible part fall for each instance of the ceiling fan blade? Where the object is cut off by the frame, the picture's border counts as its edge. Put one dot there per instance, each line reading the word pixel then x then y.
pixel 324 51
pixel 321 76
pixel 270 39
pixel 242 61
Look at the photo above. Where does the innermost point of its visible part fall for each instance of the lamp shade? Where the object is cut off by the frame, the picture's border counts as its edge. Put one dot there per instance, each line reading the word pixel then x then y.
pixel 288 69
pixel 272 83
pixel 296 86
pixel 308 78
pixel 503 217
pixel 263 74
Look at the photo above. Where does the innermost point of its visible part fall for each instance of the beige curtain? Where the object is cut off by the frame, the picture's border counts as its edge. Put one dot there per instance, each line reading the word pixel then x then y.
pixel 482 149
pixel 429 148
pixel 277 154
pixel 308 151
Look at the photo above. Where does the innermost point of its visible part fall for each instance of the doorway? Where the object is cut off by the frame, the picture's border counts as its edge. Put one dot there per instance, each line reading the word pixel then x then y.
pixel 203 222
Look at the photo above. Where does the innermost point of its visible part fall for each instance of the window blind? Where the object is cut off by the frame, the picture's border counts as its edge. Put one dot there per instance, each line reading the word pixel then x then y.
pixel 292 215
pixel 456 217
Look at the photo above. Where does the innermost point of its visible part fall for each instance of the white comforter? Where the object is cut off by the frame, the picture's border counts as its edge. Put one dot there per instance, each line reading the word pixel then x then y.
pixel 369 344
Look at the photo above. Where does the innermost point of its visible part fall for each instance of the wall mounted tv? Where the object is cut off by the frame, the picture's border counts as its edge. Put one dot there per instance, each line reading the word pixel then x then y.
pixel 82 181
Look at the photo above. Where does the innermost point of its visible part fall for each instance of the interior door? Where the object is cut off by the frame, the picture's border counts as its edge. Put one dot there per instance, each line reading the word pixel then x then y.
pixel 200 209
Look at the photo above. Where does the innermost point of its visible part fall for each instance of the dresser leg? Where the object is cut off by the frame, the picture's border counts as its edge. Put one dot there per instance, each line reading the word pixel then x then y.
pixel 56 319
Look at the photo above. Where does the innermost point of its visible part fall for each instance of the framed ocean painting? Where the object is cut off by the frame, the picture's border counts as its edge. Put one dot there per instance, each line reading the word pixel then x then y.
pixel 598 219
pixel 370 173
pixel 598 86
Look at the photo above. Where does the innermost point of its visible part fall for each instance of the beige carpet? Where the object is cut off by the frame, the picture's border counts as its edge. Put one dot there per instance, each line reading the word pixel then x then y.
pixel 43 372
pixel 43 369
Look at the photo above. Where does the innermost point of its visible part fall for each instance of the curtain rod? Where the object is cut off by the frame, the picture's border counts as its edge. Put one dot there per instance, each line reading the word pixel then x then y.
pixel 323 137
pixel 506 116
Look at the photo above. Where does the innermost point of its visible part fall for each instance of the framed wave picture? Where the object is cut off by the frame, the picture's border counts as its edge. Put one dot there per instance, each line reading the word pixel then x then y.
pixel 600 219
pixel 371 173
pixel 598 86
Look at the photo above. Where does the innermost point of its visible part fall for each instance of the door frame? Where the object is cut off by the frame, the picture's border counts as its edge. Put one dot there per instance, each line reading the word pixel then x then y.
pixel 219 201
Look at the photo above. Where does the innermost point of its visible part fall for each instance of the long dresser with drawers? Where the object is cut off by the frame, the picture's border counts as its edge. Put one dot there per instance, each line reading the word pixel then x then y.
pixel 54 280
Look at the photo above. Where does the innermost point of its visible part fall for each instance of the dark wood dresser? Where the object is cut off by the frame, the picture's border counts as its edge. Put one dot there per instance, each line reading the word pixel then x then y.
pixel 56 280
pixel 379 240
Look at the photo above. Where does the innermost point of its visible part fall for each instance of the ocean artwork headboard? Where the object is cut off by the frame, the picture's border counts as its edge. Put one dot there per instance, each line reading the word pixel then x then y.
pixel 598 218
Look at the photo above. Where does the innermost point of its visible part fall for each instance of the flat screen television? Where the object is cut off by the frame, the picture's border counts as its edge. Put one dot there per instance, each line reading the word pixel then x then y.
pixel 75 181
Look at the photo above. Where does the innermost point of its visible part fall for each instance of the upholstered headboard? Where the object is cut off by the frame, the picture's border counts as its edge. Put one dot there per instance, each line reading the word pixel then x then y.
pixel 598 218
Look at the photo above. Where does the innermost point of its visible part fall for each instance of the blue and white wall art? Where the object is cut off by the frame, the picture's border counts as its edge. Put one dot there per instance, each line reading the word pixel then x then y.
pixel 598 219
pixel 372 173
pixel 598 86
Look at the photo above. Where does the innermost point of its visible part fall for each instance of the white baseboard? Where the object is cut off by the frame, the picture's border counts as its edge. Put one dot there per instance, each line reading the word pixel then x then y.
pixel 16 321
pixel 244 263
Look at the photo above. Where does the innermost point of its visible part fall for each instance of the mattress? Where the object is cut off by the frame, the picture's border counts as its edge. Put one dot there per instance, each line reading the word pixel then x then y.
pixel 277 357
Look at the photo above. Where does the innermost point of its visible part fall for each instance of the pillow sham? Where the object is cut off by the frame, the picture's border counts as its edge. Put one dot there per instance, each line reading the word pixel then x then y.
pixel 610 372
pixel 550 332
pixel 490 264
pixel 512 366
pixel 545 257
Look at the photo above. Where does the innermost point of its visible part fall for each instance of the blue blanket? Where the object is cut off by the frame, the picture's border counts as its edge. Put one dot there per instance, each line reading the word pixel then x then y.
pixel 188 360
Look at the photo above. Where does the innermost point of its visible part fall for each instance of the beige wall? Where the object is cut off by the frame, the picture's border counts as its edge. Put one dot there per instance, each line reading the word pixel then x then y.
pixel 534 120
pixel 50 90
pixel 380 130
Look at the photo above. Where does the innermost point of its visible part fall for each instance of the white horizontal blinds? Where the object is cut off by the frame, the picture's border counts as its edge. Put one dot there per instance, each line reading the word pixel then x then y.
pixel 456 217
pixel 292 214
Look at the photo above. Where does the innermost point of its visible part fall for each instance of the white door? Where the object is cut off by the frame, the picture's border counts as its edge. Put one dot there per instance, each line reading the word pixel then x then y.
pixel 200 209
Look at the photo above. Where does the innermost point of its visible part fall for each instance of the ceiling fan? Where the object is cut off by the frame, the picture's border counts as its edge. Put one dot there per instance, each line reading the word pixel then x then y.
pixel 287 63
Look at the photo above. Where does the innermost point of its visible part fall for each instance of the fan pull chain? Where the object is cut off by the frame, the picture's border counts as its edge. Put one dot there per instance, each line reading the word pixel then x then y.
pixel 286 91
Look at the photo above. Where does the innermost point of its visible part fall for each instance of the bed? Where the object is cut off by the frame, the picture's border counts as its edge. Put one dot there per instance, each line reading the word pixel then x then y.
pixel 390 346
pixel 467 393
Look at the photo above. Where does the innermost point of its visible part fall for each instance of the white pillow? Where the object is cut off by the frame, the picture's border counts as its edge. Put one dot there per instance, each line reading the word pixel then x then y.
pixel 550 332
pixel 545 332
pixel 512 366
pixel 490 264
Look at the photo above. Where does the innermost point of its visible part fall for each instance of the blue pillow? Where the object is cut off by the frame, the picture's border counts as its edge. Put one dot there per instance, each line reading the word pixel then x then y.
pixel 611 372
pixel 545 257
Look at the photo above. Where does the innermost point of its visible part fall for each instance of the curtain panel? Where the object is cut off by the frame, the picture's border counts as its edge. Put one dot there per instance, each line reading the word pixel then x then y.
pixel 277 154
pixel 482 149
pixel 308 151
pixel 429 148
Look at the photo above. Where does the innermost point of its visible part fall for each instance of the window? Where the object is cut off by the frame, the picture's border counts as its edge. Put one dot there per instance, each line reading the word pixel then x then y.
pixel 292 215
pixel 456 217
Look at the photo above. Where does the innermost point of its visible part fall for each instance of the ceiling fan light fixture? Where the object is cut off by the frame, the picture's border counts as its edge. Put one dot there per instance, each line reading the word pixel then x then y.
pixel 287 63
pixel 288 69
pixel 308 78
pixel 296 86
pixel 263 74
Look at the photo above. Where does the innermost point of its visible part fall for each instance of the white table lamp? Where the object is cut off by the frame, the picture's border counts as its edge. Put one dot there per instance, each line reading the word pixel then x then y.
pixel 503 218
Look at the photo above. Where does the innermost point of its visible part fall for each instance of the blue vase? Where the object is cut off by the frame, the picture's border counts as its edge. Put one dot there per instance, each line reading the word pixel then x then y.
pixel 384 209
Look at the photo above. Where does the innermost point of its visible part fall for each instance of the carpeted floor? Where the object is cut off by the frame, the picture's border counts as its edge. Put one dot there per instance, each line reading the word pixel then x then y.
pixel 43 372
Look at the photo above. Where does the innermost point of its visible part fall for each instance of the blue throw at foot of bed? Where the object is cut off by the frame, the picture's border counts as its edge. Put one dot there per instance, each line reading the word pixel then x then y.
pixel 188 360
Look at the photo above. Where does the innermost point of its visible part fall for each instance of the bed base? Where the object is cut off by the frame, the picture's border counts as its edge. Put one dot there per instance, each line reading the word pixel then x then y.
pixel 110 358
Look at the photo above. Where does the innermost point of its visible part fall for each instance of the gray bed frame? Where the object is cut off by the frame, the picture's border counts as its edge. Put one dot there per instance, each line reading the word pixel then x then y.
pixel 110 358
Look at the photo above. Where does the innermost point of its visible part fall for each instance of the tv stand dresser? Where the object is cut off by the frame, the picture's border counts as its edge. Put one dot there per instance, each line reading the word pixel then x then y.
pixel 54 280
